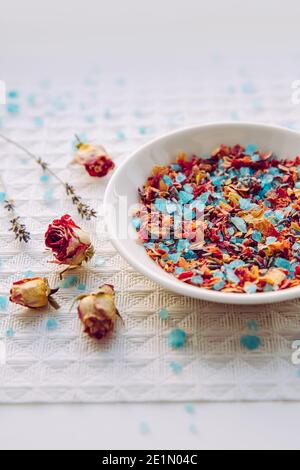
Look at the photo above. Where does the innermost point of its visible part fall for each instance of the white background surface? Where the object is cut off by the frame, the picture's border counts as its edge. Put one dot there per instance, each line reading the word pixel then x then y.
pixel 220 426
pixel 69 34
pixel 35 37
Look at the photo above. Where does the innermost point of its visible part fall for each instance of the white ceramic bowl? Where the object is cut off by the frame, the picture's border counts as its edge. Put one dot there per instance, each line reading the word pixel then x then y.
pixel 198 140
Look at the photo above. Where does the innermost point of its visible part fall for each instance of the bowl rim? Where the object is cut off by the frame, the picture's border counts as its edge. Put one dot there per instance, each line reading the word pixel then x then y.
pixel 181 287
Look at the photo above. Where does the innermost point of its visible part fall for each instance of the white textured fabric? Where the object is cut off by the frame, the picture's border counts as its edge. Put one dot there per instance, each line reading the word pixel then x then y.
pixel 136 363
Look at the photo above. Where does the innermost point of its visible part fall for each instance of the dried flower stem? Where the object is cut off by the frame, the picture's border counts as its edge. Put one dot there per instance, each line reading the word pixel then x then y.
pixel 19 229
pixel 83 209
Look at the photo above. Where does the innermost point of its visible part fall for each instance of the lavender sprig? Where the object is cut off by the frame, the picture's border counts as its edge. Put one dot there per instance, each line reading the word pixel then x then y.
pixel 19 229
pixel 84 210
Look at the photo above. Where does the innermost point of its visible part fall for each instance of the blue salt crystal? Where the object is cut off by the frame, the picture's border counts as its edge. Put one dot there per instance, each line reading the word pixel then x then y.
pixel 250 342
pixel 179 271
pixel 183 245
pixel 197 280
pixel 161 205
pixel 120 135
pixel 12 108
pixel 283 263
pixel 189 214
pixel 240 224
pixel 217 181
pixel 163 246
pixel 190 408
pixel 236 264
pixel 144 429
pixel 29 274
pixel 174 257
pixel 81 287
pixel 177 338
pixel 185 197
pixel 180 178
pixel 51 324
pixel 149 245
pixel 10 333
pixel 274 171
pixel 172 207
pixel 265 190
pixel 188 188
pixel 167 180
pixel 257 236
pixel 190 255
pixel 198 205
pixel 219 285
pixel 245 204
pixel 176 167
pixel 268 214
pixel 237 240
pixel 164 314
pixel 251 149
pixel 245 171
pixel 252 325
pixel 70 281
pixel 218 274
pixel 38 121
pixel 136 222
pixel 267 180
pixel 251 288
pixel 48 196
pixel 193 429
pixel 231 276
pixel 2 196
pixel 204 197
pixel 175 367
pixel 45 178
pixel 13 94
pixel 3 303
pixel 143 130
pixel 279 215
pixel 271 240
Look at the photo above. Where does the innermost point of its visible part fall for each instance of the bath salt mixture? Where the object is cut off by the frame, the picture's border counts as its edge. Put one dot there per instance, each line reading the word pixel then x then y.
pixel 228 221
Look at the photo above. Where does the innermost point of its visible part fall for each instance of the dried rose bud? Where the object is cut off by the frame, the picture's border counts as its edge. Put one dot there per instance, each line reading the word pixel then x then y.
pixel 94 158
pixel 70 244
pixel 98 312
pixel 32 293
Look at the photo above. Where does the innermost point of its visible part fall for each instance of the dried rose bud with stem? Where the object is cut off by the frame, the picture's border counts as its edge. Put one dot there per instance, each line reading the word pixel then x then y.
pixel 98 312
pixel 33 293
pixel 94 158
pixel 69 243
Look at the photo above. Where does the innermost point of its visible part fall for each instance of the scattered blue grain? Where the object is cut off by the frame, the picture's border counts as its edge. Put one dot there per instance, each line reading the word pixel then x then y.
pixel 3 303
pixel 51 324
pixel 176 367
pixel 164 314
pixel 250 342
pixel 177 338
